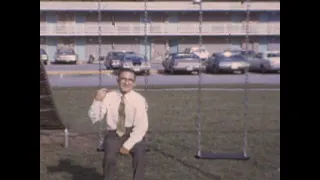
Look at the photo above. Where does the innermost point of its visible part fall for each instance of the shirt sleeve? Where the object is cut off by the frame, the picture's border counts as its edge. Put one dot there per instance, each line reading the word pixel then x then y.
pixel 140 125
pixel 97 111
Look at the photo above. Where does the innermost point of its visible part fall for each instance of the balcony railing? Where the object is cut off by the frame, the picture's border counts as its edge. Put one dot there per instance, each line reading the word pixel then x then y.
pixel 157 6
pixel 159 30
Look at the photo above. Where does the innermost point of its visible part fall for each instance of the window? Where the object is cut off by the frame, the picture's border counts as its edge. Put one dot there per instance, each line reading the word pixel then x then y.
pixel 269 55
pixel 258 56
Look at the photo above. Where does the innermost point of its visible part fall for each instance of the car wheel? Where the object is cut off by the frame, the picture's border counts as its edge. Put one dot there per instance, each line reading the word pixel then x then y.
pixel 263 70
pixel 171 71
pixel 207 69
pixel 215 70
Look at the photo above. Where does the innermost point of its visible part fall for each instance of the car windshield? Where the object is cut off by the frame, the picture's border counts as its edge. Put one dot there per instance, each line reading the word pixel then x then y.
pixel 116 55
pixel 269 55
pixel 134 58
pixel 129 52
pixel 199 50
pixel 185 56
pixel 66 51
pixel 42 51
pixel 233 52
pixel 248 53
pixel 232 58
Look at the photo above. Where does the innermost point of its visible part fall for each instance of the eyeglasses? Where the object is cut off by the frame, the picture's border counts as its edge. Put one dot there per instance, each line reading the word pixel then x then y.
pixel 126 79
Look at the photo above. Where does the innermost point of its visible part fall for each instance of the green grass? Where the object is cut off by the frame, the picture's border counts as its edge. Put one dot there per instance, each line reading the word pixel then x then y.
pixel 249 86
pixel 172 137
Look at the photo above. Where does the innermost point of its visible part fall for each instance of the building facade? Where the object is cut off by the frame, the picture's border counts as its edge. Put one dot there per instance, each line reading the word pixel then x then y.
pixel 170 26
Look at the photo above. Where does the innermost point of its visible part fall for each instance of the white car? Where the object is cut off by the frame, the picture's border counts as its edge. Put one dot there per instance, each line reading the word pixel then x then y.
pixel 201 52
pixel 268 61
pixel 65 55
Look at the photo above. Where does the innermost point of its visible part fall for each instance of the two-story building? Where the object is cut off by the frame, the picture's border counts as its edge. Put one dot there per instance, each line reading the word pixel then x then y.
pixel 171 26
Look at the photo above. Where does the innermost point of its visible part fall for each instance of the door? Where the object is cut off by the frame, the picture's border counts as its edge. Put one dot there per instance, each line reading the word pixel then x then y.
pixel 274 44
pixel 43 43
pixel 173 46
pixel 188 43
pixel 216 44
pixel 91 47
pixel 166 62
pixel 252 45
pixel 158 50
pixel 126 44
pixel 256 61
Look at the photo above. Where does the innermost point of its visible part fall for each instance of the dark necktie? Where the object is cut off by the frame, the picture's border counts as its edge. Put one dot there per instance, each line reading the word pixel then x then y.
pixel 121 128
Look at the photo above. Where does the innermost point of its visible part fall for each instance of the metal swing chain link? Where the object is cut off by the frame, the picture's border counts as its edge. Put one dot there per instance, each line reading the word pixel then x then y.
pixel 199 86
pixel 145 45
pixel 245 101
pixel 145 55
pixel 99 43
pixel 100 70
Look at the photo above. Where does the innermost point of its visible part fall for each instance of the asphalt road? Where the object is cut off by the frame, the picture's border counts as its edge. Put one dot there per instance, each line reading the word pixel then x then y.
pixel 109 80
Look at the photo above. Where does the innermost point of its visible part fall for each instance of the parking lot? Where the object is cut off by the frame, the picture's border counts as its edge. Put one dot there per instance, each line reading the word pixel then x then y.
pixel 84 67
pixel 157 78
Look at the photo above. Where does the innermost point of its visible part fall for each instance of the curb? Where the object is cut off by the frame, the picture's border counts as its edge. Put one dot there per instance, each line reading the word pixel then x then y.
pixel 86 72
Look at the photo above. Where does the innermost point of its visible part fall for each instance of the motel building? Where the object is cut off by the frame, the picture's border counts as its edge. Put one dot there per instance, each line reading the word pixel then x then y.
pixel 172 26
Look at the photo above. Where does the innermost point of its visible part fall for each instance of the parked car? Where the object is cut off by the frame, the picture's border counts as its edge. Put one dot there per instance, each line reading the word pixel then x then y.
pixel 226 62
pixel 201 52
pixel 66 55
pixel 248 54
pixel 182 62
pixel 137 62
pixel 44 56
pixel 112 60
pixel 268 61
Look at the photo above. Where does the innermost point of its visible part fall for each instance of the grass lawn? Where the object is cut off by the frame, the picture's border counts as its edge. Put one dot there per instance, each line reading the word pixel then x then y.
pixel 172 137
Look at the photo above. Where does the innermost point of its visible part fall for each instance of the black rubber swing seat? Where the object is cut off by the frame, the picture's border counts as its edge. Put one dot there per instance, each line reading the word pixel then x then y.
pixel 235 156
pixel 101 149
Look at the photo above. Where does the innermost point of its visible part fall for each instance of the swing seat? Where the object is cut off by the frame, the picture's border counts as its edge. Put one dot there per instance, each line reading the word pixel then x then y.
pixel 101 149
pixel 234 156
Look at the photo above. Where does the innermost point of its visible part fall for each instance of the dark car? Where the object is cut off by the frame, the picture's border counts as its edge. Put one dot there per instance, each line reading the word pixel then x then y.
pixel 138 63
pixel 44 56
pixel 249 54
pixel 113 58
pixel 227 62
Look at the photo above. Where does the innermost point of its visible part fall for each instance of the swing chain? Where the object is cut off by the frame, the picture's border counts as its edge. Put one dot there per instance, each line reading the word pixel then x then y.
pixel 100 70
pixel 199 84
pixel 99 43
pixel 245 141
pixel 145 45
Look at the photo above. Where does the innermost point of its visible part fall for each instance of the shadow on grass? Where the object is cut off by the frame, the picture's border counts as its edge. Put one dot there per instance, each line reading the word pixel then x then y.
pixel 168 155
pixel 77 172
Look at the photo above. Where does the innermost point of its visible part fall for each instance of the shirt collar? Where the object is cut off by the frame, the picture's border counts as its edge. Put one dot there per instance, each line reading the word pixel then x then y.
pixel 126 95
